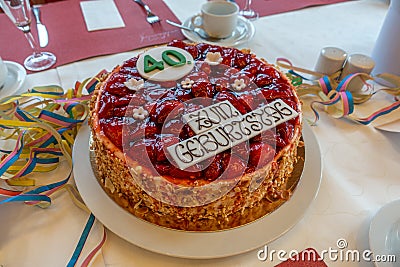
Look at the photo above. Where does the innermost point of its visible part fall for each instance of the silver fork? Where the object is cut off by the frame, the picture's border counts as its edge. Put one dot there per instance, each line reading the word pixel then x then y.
pixel 151 17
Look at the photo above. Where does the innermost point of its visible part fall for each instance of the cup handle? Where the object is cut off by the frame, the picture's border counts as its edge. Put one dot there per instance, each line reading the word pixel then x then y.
pixel 195 21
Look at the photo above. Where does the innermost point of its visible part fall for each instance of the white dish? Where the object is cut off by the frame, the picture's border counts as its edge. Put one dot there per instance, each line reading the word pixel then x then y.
pixel 380 227
pixel 15 79
pixel 390 127
pixel 244 32
pixel 191 244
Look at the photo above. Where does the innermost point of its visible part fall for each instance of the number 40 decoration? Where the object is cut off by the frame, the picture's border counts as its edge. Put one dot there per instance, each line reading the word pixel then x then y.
pixel 164 64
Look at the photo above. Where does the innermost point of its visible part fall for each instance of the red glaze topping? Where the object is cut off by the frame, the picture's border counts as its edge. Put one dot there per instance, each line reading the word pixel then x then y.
pixel 146 140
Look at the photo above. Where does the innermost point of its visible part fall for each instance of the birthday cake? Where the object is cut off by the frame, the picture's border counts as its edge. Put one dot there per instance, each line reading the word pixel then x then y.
pixel 196 137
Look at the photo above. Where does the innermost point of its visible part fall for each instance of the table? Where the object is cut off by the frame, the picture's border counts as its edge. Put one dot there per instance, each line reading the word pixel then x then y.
pixel 360 164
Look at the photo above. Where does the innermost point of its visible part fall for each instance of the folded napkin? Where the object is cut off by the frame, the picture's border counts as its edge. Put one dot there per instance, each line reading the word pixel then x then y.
pixel 101 14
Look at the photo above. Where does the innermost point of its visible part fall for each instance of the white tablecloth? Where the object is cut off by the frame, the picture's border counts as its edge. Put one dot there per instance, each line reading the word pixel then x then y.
pixel 360 164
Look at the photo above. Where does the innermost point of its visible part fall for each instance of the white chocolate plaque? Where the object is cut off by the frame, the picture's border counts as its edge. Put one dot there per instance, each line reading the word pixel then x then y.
pixel 230 133
pixel 211 116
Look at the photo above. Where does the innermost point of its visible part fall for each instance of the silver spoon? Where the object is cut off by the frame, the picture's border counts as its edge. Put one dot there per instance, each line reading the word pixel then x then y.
pixel 199 31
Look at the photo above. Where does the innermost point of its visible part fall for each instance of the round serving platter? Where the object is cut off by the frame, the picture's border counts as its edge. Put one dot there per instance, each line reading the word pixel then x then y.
pixel 197 245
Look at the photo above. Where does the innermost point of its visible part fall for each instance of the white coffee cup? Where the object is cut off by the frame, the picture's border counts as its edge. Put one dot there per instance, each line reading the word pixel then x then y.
pixel 217 19
pixel 3 73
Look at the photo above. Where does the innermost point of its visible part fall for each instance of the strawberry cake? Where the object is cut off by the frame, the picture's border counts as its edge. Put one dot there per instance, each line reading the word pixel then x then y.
pixel 196 137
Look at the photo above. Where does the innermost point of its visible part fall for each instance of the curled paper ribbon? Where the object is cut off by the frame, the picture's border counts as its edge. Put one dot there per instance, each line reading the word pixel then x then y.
pixel 42 125
pixel 336 96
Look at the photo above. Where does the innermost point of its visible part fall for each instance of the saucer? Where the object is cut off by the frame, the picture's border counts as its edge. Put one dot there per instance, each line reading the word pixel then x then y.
pixel 393 126
pixel 15 79
pixel 244 31
pixel 389 122
pixel 380 228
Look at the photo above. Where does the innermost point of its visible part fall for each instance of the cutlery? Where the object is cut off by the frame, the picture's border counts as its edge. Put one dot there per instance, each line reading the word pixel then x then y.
pixel 42 31
pixel 199 31
pixel 151 17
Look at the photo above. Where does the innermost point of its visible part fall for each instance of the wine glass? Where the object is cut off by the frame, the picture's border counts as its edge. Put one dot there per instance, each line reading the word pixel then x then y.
pixel 247 12
pixel 19 12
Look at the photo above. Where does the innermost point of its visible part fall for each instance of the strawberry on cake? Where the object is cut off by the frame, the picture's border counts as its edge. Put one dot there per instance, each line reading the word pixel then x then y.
pixel 196 137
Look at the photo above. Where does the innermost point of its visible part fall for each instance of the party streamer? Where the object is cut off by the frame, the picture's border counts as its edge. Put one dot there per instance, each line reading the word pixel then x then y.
pixel 337 96
pixel 42 125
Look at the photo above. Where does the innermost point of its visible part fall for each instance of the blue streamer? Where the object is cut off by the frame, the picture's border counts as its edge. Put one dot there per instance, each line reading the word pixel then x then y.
pixel 26 197
pixel 82 241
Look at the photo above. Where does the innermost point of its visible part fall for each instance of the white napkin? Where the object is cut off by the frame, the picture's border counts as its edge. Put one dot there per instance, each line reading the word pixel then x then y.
pixel 101 14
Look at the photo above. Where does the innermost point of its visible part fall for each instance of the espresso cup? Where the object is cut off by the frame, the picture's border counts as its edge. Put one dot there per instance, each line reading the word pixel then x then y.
pixel 3 73
pixel 217 19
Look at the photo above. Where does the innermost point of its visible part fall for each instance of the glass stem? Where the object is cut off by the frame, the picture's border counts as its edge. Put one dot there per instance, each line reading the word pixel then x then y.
pixel 247 5
pixel 32 42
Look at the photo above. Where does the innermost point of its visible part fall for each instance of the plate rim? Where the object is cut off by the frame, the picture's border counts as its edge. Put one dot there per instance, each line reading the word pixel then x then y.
pixel 20 74
pixel 392 126
pixel 377 241
pixel 250 34
pixel 197 245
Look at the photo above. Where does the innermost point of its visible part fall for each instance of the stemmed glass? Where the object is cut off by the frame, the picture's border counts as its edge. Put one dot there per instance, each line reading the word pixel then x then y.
pixel 19 12
pixel 247 12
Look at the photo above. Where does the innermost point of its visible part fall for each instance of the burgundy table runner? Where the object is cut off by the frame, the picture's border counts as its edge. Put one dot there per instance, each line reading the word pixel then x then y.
pixel 70 41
